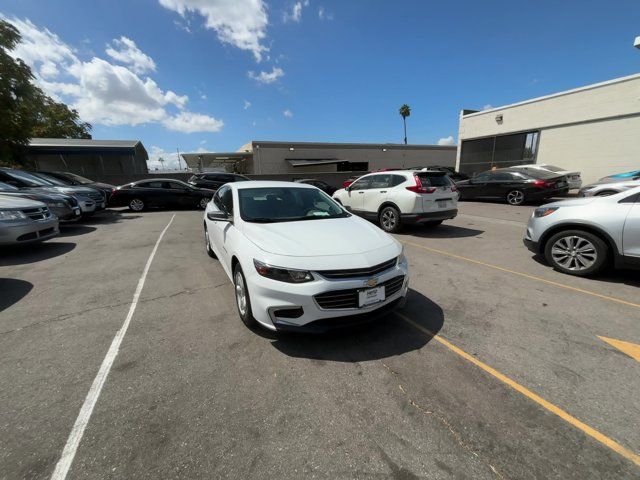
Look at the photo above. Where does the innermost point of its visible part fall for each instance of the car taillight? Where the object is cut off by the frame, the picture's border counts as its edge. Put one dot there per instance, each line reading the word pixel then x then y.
pixel 542 184
pixel 418 188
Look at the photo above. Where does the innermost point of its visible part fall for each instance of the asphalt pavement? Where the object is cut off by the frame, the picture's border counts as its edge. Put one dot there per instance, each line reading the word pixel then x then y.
pixel 194 394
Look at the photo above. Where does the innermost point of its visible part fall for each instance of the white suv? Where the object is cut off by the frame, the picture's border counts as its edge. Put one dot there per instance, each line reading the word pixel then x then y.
pixel 401 196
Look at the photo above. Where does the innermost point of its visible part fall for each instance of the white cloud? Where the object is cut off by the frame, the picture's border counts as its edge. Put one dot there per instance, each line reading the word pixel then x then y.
pixel 323 14
pixel 190 122
pixel 241 23
pixel 103 92
pixel 170 158
pixel 247 105
pixel 287 113
pixel 125 50
pixel 295 13
pixel 267 77
pixel 447 141
pixel 488 106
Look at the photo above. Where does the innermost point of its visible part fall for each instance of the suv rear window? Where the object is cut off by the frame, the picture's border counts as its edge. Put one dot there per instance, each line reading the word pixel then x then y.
pixel 431 179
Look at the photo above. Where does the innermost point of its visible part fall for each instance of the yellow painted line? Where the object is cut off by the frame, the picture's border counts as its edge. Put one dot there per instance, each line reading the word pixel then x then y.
pixel 631 349
pixel 525 275
pixel 603 439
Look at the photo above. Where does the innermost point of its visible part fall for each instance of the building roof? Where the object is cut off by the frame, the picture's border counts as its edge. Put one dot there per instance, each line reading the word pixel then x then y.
pixel 400 146
pixel 473 113
pixel 82 142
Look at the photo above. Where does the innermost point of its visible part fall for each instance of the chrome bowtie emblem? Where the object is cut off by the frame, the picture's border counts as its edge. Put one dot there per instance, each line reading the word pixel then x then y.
pixel 372 282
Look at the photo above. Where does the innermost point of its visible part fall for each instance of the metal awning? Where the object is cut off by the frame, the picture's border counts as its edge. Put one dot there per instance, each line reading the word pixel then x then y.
pixel 313 161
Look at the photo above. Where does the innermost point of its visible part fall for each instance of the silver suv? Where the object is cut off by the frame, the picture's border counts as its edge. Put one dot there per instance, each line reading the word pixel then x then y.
pixel 581 236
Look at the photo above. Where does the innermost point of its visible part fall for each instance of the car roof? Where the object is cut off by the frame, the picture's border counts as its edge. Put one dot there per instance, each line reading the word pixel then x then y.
pixel 158 180
pixel 268 184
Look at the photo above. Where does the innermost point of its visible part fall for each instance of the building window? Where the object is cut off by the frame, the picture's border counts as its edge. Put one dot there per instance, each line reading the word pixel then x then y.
pixel 353 167
pixel 498 152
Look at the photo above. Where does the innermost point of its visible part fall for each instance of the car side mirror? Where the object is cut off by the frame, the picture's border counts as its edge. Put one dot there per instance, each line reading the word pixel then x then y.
pixel 219 217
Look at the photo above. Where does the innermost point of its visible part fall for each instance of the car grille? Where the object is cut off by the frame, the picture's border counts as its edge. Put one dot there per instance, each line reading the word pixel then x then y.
pixel 37 213
pixel 359 272
pixel 338 299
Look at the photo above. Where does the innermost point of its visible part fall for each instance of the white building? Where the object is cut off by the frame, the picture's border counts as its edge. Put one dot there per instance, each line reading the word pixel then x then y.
pixel 593 129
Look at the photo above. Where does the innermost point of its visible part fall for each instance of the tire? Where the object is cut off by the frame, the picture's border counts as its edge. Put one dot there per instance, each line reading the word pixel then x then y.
pixel 137 205
pixel 202 203
pixel 606 193
pixel 389 219
pixel 515 197
pixel 432 223
pixel 244 307
pixel 576 252
pixel 207 244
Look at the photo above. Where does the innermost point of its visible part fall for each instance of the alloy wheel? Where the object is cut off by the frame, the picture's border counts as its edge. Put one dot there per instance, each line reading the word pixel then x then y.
pixel 203 203
pixel 241 294
pixel 574 253
pixel 388 219
pixel 136 205
pixel 515 197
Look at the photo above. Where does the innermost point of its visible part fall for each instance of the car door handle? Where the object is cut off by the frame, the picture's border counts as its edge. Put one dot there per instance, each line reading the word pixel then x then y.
pixel 383 191
pixel 360 193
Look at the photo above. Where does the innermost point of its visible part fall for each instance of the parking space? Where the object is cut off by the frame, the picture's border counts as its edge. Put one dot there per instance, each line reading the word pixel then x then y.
pixel 515 384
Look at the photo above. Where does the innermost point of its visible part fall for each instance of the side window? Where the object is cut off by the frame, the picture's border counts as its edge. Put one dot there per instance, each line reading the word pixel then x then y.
pixel 226 199
pixel 481 177
pixel 397 180
pixel 176 186
pixel 150 185
pixel 500 177
pixel 631 199
pixel 380 181
pixel 361 184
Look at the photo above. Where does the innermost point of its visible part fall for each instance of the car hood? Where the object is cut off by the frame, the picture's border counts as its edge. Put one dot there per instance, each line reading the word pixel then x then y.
pixel 65 190
pixel 313 238
pixel 574 202
pixel 9 203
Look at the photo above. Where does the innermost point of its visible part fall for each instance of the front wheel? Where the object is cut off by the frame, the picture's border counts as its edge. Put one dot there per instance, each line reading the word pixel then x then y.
pixel 390 219
pixel 515 197
pixel 576 252
pixel 202 204
pixel 207 244
pixel 243 302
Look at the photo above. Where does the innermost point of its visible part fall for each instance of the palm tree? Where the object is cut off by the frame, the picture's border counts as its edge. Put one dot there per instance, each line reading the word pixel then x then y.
pixel 162 160
pixel 405 111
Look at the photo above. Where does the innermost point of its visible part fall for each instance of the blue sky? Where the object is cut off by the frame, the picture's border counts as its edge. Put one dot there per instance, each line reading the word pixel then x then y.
pixel 214 74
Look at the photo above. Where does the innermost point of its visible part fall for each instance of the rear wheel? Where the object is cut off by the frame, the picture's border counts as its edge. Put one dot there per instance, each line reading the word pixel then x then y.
pixel 203 203
pixel 390 219
pixel 606 193
pixel 515 197
pixel 137 205
pixel 243 302
pixel 576 252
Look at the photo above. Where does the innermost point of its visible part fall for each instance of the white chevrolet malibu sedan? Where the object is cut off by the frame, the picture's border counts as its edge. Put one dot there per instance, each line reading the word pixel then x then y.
pixel 298 260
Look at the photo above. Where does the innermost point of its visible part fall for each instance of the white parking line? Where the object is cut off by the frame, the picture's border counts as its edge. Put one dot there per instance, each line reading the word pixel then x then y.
pixel 69 452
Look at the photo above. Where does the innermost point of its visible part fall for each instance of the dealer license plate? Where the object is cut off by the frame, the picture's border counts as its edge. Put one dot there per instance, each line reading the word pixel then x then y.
pixel 370 296
pixel 442 203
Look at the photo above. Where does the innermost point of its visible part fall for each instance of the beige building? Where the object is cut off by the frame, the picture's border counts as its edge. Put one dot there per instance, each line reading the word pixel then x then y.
pixel 593 129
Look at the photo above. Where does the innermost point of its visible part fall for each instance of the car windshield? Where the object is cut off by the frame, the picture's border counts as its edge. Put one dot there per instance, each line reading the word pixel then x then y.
pixel 286 204
pixel 5 187
pixel 78 178
pixel 28 179
pixel 52 180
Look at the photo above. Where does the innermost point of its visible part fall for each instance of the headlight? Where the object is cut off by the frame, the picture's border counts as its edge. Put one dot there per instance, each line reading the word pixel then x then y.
pixel 544 211
pixel 12 215
pixel 282 274
pixel 401 257
pixel 58 204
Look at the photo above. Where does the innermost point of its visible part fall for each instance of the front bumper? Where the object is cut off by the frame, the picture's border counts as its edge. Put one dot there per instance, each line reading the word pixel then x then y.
pixel 429 216
pixel 66 213
pixel 531 245
pixel 268 297
pixel 28 231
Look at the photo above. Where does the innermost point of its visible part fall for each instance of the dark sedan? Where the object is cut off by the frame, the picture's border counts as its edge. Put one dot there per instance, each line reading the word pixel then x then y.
pixel 65 207
pixel 73 179
pixel 324 186
pixel 160 192
pixel 215 180
pixel 514 187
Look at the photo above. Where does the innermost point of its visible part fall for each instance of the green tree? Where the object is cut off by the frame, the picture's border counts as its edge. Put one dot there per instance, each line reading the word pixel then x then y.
pixel 405 111
pixel 25 111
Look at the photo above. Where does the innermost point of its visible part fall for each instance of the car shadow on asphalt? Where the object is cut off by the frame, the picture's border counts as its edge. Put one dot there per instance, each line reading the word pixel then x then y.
pixel 440 231
pixel 387 337
pixel 109 216
pixel 609 274
pixel 74 229
pixel 13 290
pixel 32 253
